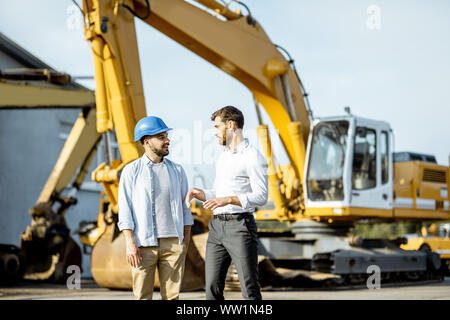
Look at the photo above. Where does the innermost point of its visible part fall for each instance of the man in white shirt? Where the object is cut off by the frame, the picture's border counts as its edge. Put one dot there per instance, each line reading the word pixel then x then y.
pixel 240 186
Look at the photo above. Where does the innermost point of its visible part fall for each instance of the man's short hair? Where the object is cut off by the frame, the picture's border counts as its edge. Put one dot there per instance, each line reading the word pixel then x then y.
pixel 230 113
pixel 143 138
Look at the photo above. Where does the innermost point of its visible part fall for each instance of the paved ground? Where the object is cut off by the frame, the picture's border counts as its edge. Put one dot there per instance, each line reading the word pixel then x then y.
pixel 91 291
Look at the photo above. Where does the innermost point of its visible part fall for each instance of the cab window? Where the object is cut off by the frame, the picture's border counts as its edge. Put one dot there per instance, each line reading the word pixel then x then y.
pixel 364 173
pixel 384 154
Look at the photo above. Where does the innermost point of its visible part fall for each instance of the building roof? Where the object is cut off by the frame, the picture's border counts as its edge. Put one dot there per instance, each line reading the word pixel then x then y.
pixel 20 89
pixel 28 60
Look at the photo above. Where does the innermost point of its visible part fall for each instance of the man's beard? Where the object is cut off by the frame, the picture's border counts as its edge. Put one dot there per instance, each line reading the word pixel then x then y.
pixel 223 141
pixel 223 138
pixel 160 152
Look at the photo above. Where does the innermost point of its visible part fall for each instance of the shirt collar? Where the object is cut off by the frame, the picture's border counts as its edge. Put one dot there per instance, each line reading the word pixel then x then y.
pixel 241 146
pixel 147 161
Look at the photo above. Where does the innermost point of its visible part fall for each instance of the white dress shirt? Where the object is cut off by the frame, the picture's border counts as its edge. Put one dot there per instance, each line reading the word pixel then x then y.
pixel 240 172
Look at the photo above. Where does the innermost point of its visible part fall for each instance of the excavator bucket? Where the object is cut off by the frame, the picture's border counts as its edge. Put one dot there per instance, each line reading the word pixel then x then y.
pixel 47 247
pixel 40 264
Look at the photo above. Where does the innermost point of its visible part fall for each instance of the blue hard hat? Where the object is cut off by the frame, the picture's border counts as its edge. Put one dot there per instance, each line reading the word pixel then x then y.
pixel 149 126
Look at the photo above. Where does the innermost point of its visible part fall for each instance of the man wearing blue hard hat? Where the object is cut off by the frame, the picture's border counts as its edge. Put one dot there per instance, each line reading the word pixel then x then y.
pixel 152 213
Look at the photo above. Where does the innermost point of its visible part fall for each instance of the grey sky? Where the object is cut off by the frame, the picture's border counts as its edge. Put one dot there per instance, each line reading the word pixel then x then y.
pixel 399 73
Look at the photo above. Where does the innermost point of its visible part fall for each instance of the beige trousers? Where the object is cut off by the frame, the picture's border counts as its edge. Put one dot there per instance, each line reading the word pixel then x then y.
pixel 169 257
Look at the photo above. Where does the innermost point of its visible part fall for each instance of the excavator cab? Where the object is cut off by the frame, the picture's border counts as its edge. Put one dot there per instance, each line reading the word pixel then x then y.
pixel 349 169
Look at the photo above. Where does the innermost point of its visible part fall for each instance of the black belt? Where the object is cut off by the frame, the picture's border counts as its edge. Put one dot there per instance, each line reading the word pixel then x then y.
pixel 232 216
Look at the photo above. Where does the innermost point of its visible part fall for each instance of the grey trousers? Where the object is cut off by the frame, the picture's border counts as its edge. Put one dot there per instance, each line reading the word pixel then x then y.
pixel 236 240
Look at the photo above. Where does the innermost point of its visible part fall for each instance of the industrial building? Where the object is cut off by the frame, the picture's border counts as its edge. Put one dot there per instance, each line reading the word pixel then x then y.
pixel 35 120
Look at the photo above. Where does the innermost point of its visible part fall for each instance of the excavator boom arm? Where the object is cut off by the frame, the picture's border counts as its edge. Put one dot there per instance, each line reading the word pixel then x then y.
pixel 262 69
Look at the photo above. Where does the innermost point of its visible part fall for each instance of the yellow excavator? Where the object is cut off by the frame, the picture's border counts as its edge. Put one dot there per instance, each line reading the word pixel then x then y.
pixel 341 169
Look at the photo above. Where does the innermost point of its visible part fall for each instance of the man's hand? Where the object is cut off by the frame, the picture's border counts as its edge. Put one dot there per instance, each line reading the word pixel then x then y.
pixel 133 253
pixel 194 193
pixel 221 202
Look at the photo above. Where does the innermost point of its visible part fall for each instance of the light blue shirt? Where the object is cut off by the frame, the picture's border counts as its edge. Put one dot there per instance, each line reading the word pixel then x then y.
pixel 136 196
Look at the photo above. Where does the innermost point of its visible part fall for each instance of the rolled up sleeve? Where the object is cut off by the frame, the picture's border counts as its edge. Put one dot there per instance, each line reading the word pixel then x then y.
pixel 257 173
pixel 125 201
pixel 188 220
